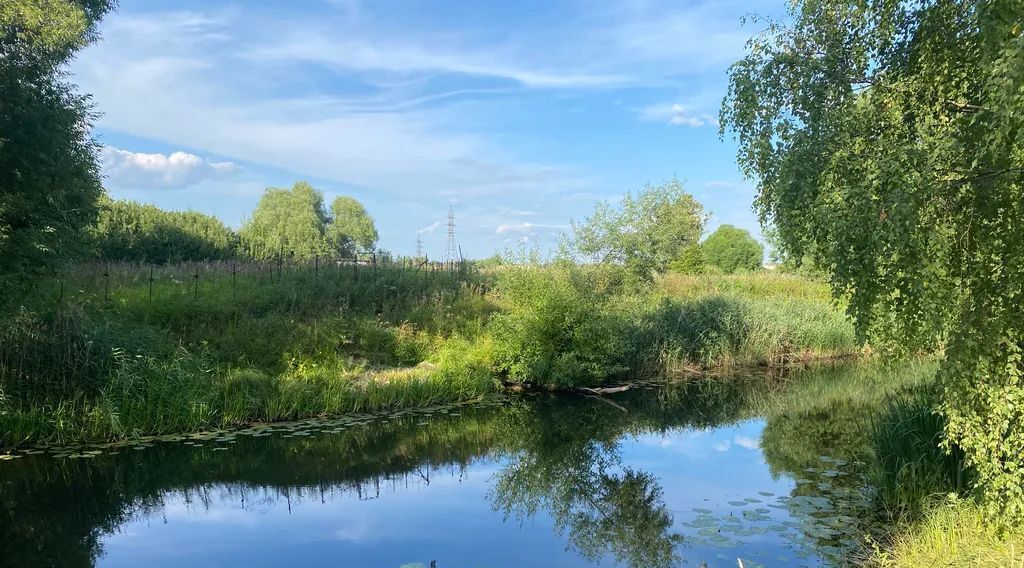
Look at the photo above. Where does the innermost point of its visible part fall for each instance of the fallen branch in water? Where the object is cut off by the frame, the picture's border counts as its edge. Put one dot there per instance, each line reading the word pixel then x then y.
pixel 605 390
pixel 609 401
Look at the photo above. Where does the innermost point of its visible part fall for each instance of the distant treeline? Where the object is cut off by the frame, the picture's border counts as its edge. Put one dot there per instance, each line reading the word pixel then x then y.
pixel 287 222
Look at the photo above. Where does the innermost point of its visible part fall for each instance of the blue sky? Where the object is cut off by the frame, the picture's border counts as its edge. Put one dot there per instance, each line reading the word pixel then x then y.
pixel 520 115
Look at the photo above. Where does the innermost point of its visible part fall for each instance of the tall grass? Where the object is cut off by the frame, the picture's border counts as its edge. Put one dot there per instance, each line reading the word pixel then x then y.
pixel 910 467
pixel 578 326
pixel 124 350
pixel 953 532
pixel 132 357
pixel 764 284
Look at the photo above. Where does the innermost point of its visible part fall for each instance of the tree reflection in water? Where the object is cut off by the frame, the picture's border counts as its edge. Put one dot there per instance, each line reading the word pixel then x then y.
pixel 560 457
pixel 572 471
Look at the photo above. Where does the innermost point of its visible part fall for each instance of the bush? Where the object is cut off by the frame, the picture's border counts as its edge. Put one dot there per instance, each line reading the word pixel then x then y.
pixel 559 328
pixel 732 249
pixel 579 326
pixel 127 230
pixel 690 261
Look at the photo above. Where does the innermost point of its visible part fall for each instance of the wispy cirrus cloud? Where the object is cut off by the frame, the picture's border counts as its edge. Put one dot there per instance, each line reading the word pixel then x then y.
pixel 346 55
pixel 527 228
pixel 429 229
pixel 420 107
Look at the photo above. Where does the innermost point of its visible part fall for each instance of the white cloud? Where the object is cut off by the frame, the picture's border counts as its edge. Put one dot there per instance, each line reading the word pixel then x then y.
pixel 516 212
pixel 747 442
pixel 222 105
pixel 369 56
pixel 677 114
pixel 430 228
pixel 137 170
pixel 408 104
pixel 525 228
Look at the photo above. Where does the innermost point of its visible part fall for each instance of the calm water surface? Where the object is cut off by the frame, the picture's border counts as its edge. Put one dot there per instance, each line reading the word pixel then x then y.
pixel 709 472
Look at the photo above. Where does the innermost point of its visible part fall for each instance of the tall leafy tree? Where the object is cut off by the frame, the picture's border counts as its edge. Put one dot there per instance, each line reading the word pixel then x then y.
pixel 287 222
pixel 732 249
pixel 49 173
pixel 645 233
pixel 887 141
pixel 351 229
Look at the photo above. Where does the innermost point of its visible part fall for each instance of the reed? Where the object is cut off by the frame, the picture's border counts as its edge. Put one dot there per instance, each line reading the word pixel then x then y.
pixel 129 349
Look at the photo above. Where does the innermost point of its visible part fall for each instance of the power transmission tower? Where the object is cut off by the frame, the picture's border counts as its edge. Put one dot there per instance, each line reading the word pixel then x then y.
pixel 419 245
pixel 451 252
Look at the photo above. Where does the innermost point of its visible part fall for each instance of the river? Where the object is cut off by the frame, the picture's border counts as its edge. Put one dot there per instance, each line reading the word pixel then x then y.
pixel 710 471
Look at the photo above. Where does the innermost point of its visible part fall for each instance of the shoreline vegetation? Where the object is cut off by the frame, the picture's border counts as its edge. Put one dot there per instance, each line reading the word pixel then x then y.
pixel 115 352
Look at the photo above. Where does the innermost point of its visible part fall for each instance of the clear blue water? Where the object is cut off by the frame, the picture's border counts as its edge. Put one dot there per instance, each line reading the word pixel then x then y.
pixel 659 478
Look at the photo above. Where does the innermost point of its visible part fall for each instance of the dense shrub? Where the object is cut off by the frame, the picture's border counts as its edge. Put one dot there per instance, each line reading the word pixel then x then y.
pixel 49 172
pixel 691 260
pixel 644 233
pixel 578 326
pixel 296 223
pixel 126 230
pixel 558 326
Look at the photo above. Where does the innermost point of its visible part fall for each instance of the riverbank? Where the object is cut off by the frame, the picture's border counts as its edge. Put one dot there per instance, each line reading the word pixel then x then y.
pixel 124 351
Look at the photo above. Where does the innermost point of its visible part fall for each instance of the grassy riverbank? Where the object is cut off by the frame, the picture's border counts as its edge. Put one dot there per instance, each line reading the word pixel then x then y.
pixel 119 352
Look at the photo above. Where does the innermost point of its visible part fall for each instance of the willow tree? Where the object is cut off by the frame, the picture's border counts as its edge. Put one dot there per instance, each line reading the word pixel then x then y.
pixel 351 228
pixel 887 141
pixel 287 223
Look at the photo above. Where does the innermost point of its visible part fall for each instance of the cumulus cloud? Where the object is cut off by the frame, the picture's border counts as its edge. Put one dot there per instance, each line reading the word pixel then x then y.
pixel 138 170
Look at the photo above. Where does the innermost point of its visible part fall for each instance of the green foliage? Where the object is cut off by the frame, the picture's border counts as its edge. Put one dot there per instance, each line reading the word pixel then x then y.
pixel 126 230
pixel 249 347
pixel 293 342
pixel 645 233
pixel 953 532
pixel 351 228
pixel 49 175
pixel 567 326
pixel 887 144
pixel 49 31
pixel 558 326
pixel 691 260
pixel 294 223
pixel 909 468
pixel 287 222
pixel 732 249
